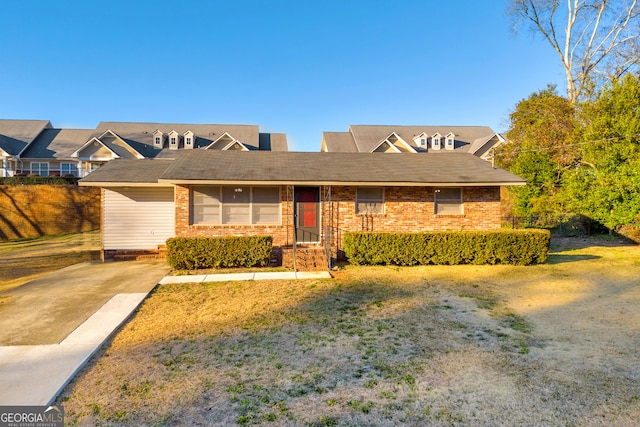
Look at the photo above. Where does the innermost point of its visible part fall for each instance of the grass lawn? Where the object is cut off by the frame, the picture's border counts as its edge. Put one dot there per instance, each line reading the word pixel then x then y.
pixel 553 344
pixel 24 260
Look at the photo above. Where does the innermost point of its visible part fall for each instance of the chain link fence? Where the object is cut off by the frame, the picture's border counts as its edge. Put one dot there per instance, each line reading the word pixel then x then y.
pixel 562 225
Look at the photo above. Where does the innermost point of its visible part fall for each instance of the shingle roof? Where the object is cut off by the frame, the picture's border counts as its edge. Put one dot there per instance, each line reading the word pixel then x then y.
pixel 15 135
pixel 57 143
pixel 139 135
pixel 339 142
pixel 363 138
pixel 129 171
pixel 317 168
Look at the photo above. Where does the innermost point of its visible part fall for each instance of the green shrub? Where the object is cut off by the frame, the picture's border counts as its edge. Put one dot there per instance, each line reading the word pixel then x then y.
pixel 514 247
pixel 39 180
pixel 190 253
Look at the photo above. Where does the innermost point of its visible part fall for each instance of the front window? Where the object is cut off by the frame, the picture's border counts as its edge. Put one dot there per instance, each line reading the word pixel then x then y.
pixel 235 205
pixel 448 201
pixel 69 169
pixel 370 200
pixel 41 169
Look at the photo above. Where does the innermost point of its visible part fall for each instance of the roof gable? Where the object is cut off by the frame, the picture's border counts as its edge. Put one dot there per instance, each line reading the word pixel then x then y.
pixel 227 142
pixel 393 144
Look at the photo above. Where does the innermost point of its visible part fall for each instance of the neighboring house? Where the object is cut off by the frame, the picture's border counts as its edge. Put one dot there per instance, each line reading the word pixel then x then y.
pixel 35 147
pixel 476 140
pixel 302 198
pixel 15 137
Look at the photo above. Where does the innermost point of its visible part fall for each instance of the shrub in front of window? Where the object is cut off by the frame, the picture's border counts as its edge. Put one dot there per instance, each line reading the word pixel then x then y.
pixel 192 253
pixel 513 247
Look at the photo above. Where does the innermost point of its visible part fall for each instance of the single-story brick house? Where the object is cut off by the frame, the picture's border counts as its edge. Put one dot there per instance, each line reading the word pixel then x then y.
pixel 307 199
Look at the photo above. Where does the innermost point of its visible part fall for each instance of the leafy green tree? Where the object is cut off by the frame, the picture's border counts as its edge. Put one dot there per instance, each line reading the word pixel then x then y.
pixel 605 184
pixel 541 135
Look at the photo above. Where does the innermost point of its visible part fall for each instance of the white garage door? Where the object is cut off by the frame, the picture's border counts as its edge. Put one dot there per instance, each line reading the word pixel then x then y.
pixel 137 218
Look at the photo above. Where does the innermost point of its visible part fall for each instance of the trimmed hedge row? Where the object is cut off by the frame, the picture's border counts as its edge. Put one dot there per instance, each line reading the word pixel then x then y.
pixel 39 180
pixel 514 247
pixel 191 253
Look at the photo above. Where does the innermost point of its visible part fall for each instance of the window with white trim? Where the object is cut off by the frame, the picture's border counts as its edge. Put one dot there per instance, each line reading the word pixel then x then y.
pixel 435 142
pixel 448 201
pixel 188 138
pixel 235 205
pixel 449 144
pixel 158 139
pixel 69 169
pixel 370 200
pixel 39 168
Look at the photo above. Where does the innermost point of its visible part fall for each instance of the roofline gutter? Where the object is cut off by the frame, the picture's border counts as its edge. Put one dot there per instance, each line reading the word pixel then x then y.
pixel 122 184
pixel 346 183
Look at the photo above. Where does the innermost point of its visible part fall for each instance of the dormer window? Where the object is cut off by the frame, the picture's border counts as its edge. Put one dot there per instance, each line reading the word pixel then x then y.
pixel 450 141
pixel 158 139
pixel 421 140
pixel 174 140
pixel 188 139
pixel 436 141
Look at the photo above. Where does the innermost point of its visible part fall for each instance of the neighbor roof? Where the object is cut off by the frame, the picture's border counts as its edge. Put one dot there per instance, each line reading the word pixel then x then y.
pixel 363 138
pixel 56 143
pixel 298 168
pixel 15 135
pixel 139 135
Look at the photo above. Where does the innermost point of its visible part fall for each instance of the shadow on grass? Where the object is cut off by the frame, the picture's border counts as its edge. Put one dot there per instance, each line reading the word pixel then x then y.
pixel 562 258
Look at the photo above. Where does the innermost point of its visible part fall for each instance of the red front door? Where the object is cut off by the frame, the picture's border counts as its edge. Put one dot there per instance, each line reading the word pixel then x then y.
pixel 307 214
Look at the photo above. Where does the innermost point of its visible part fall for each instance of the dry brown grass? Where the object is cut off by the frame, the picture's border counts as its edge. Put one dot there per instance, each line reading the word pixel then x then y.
pixel 553 344
pixel 24 260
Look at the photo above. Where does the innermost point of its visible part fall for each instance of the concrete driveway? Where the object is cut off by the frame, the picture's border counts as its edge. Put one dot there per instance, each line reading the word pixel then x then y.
pixel 48 309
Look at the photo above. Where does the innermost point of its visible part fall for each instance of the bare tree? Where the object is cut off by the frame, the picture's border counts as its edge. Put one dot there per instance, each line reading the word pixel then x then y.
pixel 593 38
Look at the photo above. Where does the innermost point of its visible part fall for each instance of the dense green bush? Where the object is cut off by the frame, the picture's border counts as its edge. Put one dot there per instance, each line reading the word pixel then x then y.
pixel 514 247
pixel 39 180
pixel 190 253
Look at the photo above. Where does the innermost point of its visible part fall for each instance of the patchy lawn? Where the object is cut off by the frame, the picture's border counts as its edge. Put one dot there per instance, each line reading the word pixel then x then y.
pixel 554 344
pixel 24 260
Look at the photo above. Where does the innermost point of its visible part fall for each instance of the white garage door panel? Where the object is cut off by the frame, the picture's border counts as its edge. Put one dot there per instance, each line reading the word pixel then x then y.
pixel 138 218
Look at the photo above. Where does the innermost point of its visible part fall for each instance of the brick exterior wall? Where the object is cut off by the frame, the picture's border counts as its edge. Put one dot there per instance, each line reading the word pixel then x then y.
pixel 407 209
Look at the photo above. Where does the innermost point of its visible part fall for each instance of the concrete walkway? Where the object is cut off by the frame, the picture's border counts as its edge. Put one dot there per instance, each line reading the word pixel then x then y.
pixel 278 275
pixel 36 374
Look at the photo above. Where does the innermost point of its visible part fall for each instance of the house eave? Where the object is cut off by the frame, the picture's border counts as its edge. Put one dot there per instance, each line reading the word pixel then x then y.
pixel 122 184
pixel 339 183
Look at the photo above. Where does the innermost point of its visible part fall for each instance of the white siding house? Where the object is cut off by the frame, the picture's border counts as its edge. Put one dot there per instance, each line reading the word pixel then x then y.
pixel 137 218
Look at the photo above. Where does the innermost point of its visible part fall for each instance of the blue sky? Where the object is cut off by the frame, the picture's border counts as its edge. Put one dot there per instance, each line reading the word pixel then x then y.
pixel 299 67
